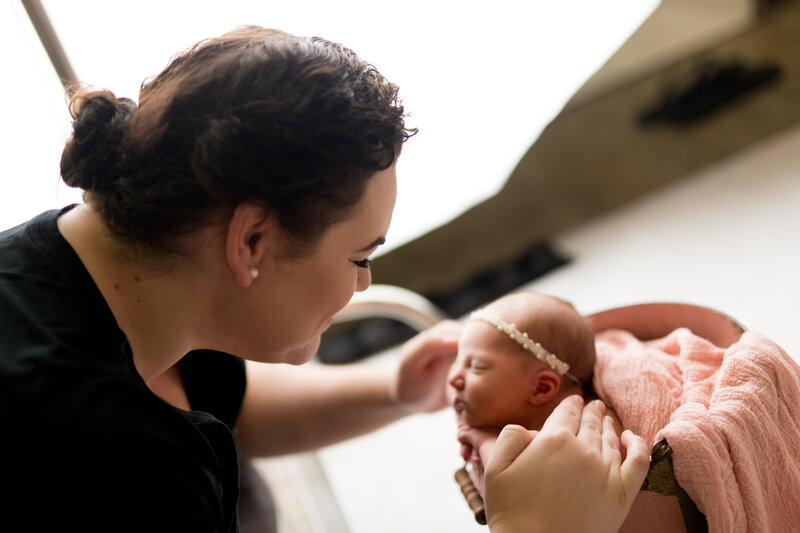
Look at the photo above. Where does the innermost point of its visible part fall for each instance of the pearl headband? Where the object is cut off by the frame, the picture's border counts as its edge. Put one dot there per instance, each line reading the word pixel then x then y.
pixel 526 343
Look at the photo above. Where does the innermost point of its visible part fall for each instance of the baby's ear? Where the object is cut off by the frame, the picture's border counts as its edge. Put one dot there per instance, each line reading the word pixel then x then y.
pixel 544 387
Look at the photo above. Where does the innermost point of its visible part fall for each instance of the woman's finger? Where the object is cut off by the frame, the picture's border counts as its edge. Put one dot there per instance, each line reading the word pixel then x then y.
pixel 510 443
pixel 611 453
pixel 591 428
pixel 637 462
pixel 566 416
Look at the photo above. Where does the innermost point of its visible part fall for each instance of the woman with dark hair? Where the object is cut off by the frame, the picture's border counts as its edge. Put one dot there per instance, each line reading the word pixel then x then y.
pixel 228 216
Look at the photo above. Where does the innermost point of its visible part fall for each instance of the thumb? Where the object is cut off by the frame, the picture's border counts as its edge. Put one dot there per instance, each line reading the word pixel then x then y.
pixel 510 443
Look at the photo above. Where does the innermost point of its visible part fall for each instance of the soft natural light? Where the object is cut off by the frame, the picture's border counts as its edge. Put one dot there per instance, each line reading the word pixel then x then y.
pixel 481 80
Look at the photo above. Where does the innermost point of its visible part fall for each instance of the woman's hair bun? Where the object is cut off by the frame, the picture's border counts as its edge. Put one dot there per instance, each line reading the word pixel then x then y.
pixel 93 156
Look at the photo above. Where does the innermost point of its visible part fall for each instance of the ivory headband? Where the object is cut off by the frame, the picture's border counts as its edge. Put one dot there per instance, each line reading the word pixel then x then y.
pixel 526 343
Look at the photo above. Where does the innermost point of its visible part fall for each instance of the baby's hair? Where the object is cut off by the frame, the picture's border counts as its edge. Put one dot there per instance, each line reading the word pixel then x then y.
pixel 556 325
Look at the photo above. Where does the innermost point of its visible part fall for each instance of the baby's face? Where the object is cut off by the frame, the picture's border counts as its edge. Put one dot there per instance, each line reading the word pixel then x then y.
pixel 490 380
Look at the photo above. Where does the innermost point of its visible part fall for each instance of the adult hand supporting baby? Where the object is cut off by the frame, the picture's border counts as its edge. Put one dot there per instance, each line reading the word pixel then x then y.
pixel 421 378
pixel 570 477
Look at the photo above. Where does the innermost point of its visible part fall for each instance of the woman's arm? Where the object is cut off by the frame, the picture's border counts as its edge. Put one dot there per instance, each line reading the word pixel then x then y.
pixel 291 409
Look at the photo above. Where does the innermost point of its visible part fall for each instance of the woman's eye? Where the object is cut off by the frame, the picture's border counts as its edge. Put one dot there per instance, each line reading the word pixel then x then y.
pixel 364 263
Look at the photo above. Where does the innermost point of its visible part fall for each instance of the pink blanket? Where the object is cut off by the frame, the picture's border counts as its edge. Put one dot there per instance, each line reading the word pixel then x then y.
pixel 731 416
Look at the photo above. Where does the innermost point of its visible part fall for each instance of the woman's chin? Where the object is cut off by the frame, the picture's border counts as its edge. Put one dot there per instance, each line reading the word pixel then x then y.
pixel 304 354
pixel 291 355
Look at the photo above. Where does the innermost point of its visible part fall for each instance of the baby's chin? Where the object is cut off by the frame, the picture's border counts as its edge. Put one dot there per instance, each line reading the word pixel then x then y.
pixel 469 419
pixel 467 416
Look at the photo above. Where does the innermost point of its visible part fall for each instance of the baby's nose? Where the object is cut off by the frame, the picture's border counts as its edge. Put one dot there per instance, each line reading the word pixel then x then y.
pixel 456 380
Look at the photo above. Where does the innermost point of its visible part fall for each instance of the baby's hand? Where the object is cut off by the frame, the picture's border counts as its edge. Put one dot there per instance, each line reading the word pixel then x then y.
pixel 476 449
pixel 466 438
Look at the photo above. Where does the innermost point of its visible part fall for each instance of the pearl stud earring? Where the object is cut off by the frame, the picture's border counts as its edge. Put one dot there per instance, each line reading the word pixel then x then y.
pixel 254 273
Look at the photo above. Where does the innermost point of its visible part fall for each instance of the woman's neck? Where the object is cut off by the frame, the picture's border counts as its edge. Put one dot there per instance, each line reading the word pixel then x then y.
pixel 152 307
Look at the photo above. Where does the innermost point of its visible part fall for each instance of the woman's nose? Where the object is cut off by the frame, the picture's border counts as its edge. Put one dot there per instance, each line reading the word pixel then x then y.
pixel 364 279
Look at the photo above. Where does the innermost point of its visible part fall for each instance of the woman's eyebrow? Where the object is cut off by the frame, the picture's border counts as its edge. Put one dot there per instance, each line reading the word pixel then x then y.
pixel 374 244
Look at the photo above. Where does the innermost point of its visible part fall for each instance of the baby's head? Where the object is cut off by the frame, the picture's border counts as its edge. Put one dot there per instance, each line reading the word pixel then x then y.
pixel 501 377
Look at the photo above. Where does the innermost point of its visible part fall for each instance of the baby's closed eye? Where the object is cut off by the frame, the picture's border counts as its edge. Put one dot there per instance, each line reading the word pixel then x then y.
pixel 478 365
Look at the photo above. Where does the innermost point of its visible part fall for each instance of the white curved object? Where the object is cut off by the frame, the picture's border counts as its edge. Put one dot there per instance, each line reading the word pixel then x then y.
pixel 389 301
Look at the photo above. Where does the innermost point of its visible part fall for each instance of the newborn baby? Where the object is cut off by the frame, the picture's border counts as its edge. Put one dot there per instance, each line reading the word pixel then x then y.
pixel 518 358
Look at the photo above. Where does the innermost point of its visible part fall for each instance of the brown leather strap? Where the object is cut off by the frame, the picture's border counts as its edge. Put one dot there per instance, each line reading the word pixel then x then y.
pixel 661 480
pixel 661 477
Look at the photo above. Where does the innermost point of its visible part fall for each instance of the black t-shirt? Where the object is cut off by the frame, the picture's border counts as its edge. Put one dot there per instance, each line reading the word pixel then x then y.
pixel 84 445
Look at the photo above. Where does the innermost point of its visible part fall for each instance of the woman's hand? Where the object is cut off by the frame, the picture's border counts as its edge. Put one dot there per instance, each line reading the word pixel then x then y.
pixel 570 477
pixel 421 378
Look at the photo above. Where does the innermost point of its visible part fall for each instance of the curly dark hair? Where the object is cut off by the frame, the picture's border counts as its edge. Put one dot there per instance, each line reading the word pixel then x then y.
pixel 298 125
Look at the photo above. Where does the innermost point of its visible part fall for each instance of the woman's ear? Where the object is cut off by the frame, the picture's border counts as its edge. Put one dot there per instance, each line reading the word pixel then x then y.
pixel 251 233
pixel 544 387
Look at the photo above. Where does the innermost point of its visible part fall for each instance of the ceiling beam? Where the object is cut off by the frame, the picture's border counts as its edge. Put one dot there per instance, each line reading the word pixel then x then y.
pixel 52 45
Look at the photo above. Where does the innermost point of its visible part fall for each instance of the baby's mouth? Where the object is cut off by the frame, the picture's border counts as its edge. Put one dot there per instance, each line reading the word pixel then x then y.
pixel 459 406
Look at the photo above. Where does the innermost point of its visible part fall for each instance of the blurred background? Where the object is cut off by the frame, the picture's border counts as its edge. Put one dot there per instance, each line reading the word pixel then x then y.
pixel 608 153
